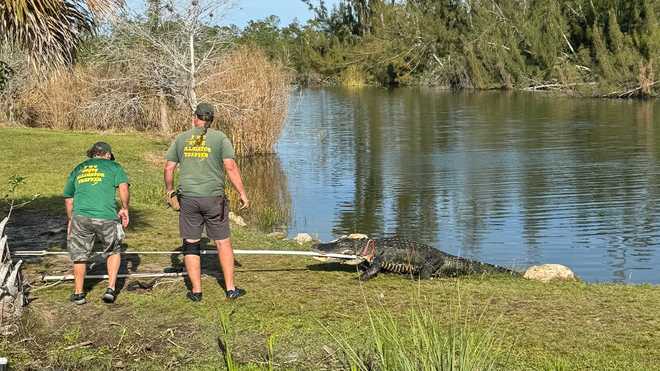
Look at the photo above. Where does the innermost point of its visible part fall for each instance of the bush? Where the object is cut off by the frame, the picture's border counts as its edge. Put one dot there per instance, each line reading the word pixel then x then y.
pixel 251 95
pixel 249 92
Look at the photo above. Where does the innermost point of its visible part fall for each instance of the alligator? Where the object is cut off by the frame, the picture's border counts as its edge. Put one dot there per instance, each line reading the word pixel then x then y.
pixel 403 256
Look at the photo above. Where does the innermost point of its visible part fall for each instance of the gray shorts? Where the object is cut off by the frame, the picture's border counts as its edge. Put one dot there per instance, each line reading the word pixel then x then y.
pixel 84 231
pixel 199 212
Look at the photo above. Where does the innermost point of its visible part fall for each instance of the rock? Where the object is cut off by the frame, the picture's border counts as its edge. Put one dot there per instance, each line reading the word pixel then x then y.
pixel 357 236
pixel 303 238
pixel 549 272
pixel 238 220
pixel 277 235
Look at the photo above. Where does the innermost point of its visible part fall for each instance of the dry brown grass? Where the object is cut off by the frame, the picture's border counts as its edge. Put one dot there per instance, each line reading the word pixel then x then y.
pixel 249 91
pixel 87 99
pixel 251 94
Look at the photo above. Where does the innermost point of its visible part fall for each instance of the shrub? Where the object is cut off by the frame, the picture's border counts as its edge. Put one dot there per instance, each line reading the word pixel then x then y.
pixel 251 95
pixel 249 91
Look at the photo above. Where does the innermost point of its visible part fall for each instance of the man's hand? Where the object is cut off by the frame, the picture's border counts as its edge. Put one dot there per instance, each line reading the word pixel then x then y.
pixel 245 203
pixel 235 178
pixel 123 215
pixel 172 199
pixel 68 229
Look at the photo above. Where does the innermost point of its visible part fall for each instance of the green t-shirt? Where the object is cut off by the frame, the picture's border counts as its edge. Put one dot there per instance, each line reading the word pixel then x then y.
pixel 92 185
pixel 202 172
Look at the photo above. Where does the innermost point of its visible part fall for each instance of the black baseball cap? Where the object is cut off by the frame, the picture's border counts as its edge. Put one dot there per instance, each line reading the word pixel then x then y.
pixel 100 147
pixel 205 111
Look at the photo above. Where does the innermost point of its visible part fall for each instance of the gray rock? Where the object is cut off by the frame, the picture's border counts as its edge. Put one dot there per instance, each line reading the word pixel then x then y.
pixel 550 272
pixel 357 236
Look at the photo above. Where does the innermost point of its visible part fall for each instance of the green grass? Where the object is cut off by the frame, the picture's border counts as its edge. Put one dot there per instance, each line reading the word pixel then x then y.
pixel 299 314
pixel 423 342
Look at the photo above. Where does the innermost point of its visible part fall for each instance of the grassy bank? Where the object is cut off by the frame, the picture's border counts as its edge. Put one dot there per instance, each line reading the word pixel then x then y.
pixel 313 315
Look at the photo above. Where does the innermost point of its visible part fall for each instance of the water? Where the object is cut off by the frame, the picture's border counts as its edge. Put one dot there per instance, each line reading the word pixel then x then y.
pixel 510 179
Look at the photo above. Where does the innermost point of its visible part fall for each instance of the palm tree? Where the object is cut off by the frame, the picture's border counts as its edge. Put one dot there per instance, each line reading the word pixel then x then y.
pixel 50 31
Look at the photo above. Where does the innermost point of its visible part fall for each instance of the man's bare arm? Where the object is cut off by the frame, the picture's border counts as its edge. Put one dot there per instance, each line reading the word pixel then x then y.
pixel 124 195
pixel 234 175
pixel 124 198
pixel 168 175
pixel 68 205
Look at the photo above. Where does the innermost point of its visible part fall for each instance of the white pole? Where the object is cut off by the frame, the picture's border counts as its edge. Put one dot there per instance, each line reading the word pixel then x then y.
pixel 69 277
pixel 202 252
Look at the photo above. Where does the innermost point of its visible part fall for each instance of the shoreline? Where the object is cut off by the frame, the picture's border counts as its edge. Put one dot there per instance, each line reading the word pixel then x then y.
pixel 549 89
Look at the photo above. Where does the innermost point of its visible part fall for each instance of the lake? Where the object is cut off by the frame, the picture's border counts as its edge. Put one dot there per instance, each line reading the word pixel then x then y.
pixel 512 179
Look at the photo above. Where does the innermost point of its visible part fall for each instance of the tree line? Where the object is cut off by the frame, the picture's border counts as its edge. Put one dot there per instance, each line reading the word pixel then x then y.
pixel 587 47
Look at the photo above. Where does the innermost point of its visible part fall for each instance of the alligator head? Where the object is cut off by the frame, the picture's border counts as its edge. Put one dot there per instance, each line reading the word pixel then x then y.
pixel 364 248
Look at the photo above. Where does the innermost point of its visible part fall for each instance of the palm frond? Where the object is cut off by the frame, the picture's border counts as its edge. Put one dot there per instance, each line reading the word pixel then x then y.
pixel 50 30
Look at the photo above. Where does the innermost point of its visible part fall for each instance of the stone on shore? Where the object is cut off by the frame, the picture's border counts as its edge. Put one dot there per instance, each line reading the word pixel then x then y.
pixel 236 219
pixel 357 236
pixel 303 238
pixel 550 272
pixel 277 235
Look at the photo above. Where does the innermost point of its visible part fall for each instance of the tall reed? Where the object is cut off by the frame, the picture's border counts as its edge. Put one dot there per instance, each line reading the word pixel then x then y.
pixel 224 342
pixel 252 98
pixel 249 91
pixel 423 342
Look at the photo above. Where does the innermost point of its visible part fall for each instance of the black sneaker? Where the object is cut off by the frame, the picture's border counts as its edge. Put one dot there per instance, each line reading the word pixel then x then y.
pixel 78 299
pixel 109 296
pixel 194 296
pixel 235 293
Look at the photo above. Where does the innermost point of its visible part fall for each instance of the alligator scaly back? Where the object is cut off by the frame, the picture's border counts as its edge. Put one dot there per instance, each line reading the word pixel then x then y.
pixel 403 256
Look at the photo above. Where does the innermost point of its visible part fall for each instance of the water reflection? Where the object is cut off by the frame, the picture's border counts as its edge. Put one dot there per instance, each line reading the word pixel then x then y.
pixel 266 184
pixel 512 179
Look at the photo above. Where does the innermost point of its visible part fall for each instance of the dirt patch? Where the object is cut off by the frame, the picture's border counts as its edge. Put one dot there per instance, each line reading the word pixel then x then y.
pixel 36 230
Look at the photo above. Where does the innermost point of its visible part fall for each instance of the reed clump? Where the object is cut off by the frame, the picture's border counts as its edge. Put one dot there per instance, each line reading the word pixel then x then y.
pixel 86 98
pixel 423 342
pixel 250 94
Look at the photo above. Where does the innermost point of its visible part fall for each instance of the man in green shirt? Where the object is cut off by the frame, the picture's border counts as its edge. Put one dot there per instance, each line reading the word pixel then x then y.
pixel 201 154
pixel 91 208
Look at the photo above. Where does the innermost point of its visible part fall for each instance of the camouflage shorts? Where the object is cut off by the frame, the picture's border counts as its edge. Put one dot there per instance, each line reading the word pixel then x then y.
pixel 84 231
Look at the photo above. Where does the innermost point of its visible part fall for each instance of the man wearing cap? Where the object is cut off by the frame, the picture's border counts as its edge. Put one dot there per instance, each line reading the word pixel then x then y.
pixel 91 208
pixel 201 154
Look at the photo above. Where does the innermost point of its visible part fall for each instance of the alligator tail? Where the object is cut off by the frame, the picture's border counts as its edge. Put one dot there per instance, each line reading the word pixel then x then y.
pixel 473 266
pixel 480 267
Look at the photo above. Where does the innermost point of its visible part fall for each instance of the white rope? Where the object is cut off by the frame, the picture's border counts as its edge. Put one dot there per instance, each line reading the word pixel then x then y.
pixel 202 252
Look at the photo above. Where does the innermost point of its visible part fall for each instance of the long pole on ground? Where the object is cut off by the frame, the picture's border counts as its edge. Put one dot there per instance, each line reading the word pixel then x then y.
pixel 202 252
pixel 69 277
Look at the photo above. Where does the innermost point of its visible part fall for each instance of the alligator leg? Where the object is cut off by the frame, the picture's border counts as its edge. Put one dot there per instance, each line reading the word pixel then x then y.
pixel 430 267
pixel 372 270
pixel 426 271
